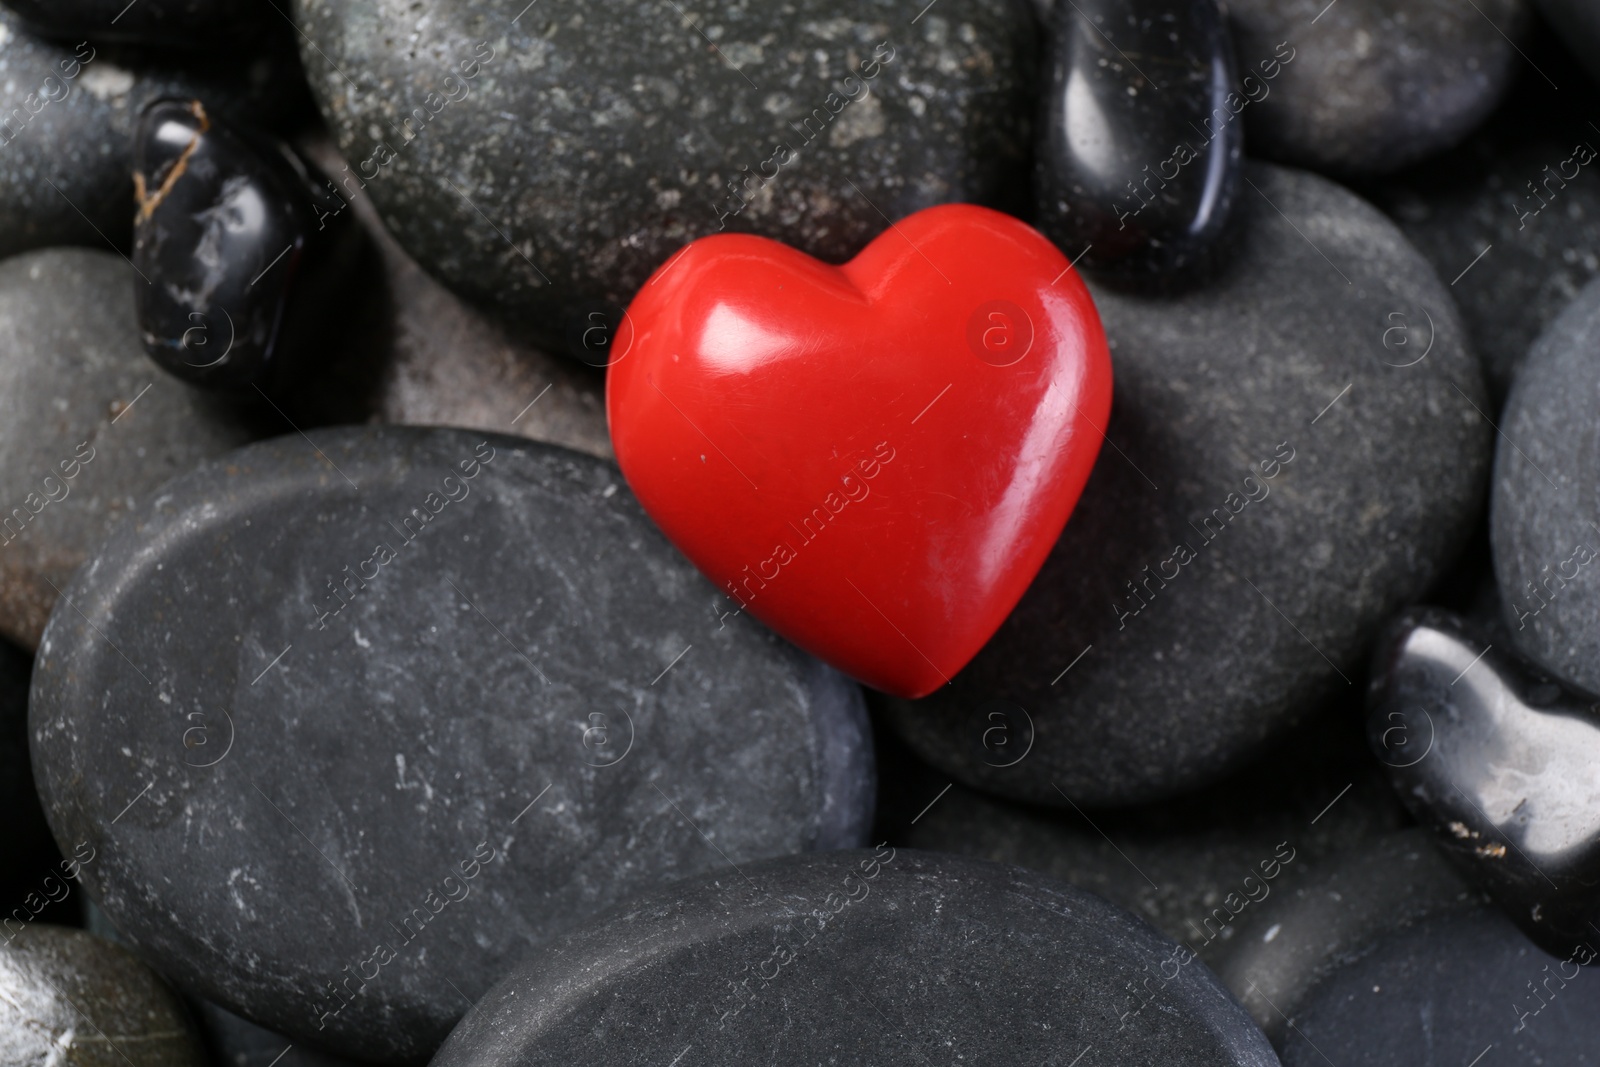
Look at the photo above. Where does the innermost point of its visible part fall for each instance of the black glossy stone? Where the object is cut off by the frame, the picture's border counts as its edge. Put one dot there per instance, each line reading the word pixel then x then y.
pixel 1499 761
pixel 1542 511
pixel 860 957
pixel 1277 484
pixel 245 248
pixel 69 999
pixel 66 134
pixel 545 164
pixel 437 719
pixel 1321 923
pixel 1139 148
pixel 1462 988
pixel 177 23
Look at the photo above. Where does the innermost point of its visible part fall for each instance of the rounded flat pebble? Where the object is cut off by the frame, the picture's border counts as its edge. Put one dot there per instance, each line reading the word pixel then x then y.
pixel 69 999
pixel 1323 922
pixel 1546 550
pixel 438 694
pixel 544 165
pixel 73 105
pixel 1373 87
pixel 1281 475
pixel 1458 986
pixel 860 957
pixel 88 425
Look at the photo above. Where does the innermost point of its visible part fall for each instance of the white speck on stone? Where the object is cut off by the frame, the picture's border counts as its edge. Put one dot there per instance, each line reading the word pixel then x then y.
pixel 362 641
pixel 106 80
pixel 1272 932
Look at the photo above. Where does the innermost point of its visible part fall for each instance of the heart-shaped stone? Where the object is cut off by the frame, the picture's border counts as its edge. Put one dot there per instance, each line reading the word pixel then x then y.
pixel 1502 763
pixel 874 459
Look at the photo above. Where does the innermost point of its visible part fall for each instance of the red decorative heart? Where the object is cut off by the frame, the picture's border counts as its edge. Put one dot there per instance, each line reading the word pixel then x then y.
pixel 873 459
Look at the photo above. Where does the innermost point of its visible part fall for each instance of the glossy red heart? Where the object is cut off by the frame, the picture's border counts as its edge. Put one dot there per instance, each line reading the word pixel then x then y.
pixel 873 459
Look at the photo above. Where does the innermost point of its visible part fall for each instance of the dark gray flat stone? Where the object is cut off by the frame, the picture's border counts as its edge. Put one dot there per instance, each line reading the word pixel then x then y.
pixel 1194 866
pixel 68 998
pixel 78 396
pixel 1546 550
pixel 527 713
pixel 1456 986
pixel 860 957
pixel 582 151
pixel 1373 87
pixel 1293 564
pixel 1324 922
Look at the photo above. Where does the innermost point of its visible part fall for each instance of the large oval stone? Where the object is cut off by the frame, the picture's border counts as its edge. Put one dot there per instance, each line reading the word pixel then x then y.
pixel 544 162
pixel 861 957
pixel 1295 450
pixel 438 695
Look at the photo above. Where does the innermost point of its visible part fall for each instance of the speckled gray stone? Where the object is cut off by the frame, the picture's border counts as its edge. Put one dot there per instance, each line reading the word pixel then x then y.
pixel 1193 866
pixel 1263 432
pixel 1374 86
pixel 543 164
pixel 1454 987
pixel 1546 549
pixel 76 132
pixel 523 707
pixel 79 397
pixel 1322 923
pixel 860 957
pixel 443 363
pixel 69 999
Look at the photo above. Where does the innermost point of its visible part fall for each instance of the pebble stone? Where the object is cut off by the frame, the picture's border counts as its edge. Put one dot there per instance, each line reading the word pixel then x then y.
pixel 1138 161
pixel 1373 87
pixel 810 122
pixel 251 255
pixel 311 677
pixel 1454 987
pixel 883 956
pixel 1324 922
pixel 88 427
pixel 1546 549
pixel 1499 763
pixel 69 999
pixel 1276 483
pixel 73 105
